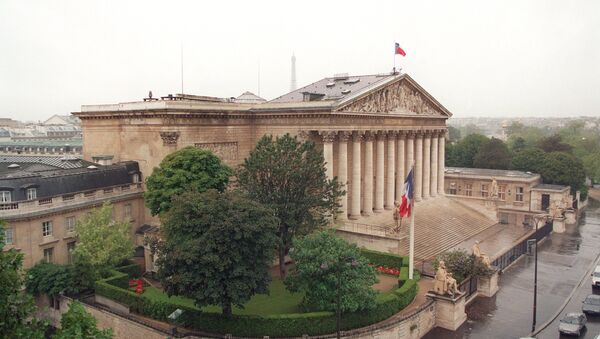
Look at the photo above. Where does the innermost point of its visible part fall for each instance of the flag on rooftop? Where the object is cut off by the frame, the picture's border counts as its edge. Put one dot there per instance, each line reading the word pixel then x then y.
pixel 399 50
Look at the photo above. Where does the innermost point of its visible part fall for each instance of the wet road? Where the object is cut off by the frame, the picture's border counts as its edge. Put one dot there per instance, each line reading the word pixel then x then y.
pixel 563 259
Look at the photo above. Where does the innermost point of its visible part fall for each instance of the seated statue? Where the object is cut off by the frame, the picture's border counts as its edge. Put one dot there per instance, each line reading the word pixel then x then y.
pixel 440 286
pixel 480 255
pixel 451 285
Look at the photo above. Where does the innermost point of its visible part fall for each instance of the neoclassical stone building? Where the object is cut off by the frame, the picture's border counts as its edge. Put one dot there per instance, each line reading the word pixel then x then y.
pixel 372 129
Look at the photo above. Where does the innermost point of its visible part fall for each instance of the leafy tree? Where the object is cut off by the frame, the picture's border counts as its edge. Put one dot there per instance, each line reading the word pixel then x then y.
pixel 465 150
pixel 453 133
pixel 518 144
pixel 554 143
pixel 76 323
pixel 462 264
pixel 53 279
pixel 471 129
pixel 493 154
pixel 327 265
pixel 452 158
pixel 591 164
pixel 16 307
pixel 217 248
pixel 189 168
pixel 530 159
pixel 563 169
pixel 289 177
pixel 102 242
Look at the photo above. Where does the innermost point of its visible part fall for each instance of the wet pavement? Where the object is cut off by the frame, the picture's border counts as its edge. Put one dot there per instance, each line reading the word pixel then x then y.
pixel 563 259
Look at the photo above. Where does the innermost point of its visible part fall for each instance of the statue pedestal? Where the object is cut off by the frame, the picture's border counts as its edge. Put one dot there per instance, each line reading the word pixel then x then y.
pixel 558 225
pixel 488 286
pixel 449 311
pixel 570 216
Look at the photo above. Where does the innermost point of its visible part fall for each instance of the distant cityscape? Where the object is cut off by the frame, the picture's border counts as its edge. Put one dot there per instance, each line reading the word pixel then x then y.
pixel 59 134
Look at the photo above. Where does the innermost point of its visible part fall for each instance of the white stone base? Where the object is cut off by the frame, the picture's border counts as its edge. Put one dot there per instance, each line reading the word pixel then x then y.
pixel 558 225
pixel 488 286
pixel 449 312
pixel 570 217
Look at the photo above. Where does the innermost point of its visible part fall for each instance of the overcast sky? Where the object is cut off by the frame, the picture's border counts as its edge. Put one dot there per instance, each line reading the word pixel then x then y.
pixel 478 58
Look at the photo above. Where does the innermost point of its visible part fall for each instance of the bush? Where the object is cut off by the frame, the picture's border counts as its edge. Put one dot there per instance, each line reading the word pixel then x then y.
pixel 384 259
pixel 132 270
pixel 53 279
pixel 282 325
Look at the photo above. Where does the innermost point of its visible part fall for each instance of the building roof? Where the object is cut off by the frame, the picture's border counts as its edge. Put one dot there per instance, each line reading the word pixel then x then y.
pixel 24 161
pixel 76 142
pixel 249 98
pixel 550 187
pixel 490 173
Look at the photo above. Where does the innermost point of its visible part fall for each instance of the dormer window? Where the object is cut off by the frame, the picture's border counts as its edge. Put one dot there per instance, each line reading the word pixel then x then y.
pixel 31 193
pixel 5 196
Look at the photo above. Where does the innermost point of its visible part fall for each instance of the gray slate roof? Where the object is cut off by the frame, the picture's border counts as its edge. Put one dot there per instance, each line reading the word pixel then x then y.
pixel 550 187
pixel 490 172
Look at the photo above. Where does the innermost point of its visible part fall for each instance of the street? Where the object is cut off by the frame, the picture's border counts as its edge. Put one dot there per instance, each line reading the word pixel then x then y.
pixel 563 259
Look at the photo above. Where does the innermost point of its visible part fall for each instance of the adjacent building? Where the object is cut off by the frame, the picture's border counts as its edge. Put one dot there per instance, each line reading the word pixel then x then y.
pixel 42 198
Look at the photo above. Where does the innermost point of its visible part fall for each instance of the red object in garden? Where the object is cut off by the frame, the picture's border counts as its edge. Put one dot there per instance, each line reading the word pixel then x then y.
pixel 388 270
pixel 138 284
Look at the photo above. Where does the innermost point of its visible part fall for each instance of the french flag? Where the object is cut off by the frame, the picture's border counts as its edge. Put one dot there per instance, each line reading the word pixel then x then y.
pixel 398 49
pixel 407 197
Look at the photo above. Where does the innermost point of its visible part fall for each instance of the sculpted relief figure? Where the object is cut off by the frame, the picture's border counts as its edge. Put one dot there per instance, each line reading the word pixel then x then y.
pixel 397 218
pixel 494 189
pixel 480 255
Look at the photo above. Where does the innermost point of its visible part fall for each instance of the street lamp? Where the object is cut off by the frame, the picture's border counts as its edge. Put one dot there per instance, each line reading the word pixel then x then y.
pixel 337 269
pixel 536 218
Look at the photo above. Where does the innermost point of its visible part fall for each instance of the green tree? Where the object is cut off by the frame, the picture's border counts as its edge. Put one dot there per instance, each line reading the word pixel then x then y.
pixel 564 169
pixel 453 134
pixel 217 248
pixel 189 168
pixel 76 323
pixel 327 265
pixel 461 264
pixel 289 177
pixel 517 145
pixel 493 154
pixel 464 151
pixel 554 143
pixel 591 164
pixel 102 242
pixel 530 159
pixel 16 307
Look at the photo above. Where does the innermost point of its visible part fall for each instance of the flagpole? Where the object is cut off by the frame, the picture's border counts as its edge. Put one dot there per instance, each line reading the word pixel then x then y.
pixel 411 236
pixel 394 69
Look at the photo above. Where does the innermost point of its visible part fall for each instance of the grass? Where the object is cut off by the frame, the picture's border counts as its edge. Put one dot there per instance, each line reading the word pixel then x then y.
pixel 279 300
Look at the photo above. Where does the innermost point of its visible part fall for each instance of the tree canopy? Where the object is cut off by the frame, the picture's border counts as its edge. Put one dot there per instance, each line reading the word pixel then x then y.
pixel 462 153
pixel 102 242
pixel 554 143
pixel 529 159
pixel 189 168
pixel 289 177
pixel 76 323
pixel 493 154
pixel 563 169
pixel 324 261
pixel 216 248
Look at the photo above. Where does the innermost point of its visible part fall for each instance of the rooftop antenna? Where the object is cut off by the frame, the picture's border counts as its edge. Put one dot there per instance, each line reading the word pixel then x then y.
pixel 258 77
pixel 182 68
pixel 293 85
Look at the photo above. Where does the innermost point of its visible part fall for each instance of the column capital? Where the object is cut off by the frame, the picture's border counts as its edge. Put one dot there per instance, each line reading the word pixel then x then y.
pixel 357 136
pixel 392 134
pixel 402 134
pixel 304 135
pixel 419 134
pixel 369 136
pixel 328 136
pixel 344 135
pixel 381 135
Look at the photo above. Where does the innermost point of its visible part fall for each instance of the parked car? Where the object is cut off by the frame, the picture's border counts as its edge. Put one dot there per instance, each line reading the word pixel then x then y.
pixel 596 277
pixel 591 305
pixel 572 323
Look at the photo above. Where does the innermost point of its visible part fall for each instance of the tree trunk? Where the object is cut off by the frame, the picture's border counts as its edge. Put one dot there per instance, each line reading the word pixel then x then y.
pixel 227 310
pixel 282 269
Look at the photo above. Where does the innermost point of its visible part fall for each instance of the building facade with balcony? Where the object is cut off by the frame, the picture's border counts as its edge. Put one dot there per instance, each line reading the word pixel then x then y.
pixel 42 198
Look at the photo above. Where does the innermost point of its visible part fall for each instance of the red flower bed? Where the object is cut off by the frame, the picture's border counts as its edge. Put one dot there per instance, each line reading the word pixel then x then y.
pixel 138 284
pixel 387 270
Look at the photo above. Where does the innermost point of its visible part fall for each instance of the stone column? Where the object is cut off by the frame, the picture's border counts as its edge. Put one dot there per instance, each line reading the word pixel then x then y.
pixel 328 138
pixel 391 171
pixel 343 171
pixel 355 204
pixel 426 164
pixel 400 159
pixel 441 161
pixel 410 153
pixel 368 195
pixel 379 184
pixel 434 164
pixel 419 167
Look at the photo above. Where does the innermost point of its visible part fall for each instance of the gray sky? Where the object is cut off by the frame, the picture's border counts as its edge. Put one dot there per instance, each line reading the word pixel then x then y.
pixel 486 58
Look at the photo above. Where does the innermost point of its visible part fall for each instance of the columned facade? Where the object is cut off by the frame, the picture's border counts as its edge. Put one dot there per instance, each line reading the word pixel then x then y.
pixel 434 164
pixel 379 176
pixel 441 161
pixel 368 197
pixel 426 164
pixel 356 176
pixel 419 167
pixel 390 189
pixel 343 171
pixel 400 160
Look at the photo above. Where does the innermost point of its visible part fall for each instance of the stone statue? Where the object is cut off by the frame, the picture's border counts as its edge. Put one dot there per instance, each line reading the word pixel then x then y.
pixel 451 285
pixel 565 203
pixel 439 286
pixel 480 255
pixel 397 217
pixel 494 189
pixel 555 210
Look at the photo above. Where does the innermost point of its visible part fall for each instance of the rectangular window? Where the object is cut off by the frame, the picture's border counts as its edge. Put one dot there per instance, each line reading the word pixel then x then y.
pixel 31 193
pixel 70 249
pixel 501 192
pixel 469 190
pixel 49 254
pixel 452 188
pixel 8 236
pixel 127 212
pixel 5 196
pixel 484 190
pixel 70 224
pixel 47 228
pixel 519 195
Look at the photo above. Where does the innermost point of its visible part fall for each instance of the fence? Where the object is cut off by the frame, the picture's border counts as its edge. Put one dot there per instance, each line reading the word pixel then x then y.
pixel 514 253
pixel 376 230
pixel 469 286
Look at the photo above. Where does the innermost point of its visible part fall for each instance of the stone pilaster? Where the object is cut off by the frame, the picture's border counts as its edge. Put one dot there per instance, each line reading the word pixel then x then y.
pixel 426 164
pixel 379 175
pixel 391 171
pixel 356 176
pixel 419 167
pixel 328 138
pixel 434 164
pixel 441 161
pixel 400 160
pixel 343 171
pixel 368 195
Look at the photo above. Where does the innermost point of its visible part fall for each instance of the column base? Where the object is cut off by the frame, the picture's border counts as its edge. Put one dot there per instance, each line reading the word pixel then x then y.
pixel 367 213
pixel 378 210
pixel 388 208
pixel 449 311
pixel 354 217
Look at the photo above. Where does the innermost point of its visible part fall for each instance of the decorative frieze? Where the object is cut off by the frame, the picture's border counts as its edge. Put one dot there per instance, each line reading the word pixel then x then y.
pixel 169 138
pixel 224 150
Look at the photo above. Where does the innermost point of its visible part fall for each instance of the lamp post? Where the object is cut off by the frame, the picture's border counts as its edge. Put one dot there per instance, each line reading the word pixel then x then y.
pixel 536 218
pixel 338 269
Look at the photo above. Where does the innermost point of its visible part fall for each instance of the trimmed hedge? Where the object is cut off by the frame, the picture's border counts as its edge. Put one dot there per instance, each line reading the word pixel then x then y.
pixel 132 270
pixel 283 325
pixel 384 259
pixel 403 278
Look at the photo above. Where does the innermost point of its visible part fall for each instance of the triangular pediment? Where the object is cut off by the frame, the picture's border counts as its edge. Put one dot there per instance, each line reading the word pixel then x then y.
pixel 402 95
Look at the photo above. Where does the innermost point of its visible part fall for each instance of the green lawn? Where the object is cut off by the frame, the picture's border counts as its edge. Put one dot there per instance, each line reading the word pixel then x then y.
pixel 279 301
